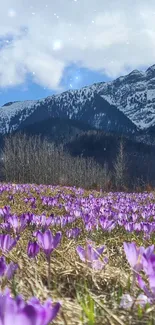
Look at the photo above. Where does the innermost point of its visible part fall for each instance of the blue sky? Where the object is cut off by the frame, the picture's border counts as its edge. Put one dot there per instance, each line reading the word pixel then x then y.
pixel 73 78
pixel 47 47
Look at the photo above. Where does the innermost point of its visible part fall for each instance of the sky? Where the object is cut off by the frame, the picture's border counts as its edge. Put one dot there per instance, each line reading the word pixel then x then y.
pixel 50 46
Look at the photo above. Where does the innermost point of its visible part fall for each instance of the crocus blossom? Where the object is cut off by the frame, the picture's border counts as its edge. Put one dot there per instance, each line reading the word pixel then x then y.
pixel 10 270
pixel 7 242
pixel 149 264
pixel 91 255
pixel 2 265
pixel 134 255
pixel 48 242
pixel 18 224
pixel 7 270
pixel 127 301
pixel 149 292
pixel 32 249
pixel 16 311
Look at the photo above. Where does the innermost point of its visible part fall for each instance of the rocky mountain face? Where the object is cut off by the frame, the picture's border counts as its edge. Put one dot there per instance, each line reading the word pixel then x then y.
pixel 134 95
pixel 125 106
pixel 82 105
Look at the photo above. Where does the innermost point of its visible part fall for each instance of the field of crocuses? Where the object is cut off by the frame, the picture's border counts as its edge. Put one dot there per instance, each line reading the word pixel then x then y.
pixel 70 256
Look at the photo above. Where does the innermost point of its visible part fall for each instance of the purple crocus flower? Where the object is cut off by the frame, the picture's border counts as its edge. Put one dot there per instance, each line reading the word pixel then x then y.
pixel 35 233
pixel 142 300
pixel 32 249
pixel 140 258
pixel 148 251
pixel 149 293
pixel 16 311
pixel 28 216
pixel 7 242
pixel 18 224
pixel 5 226
pixel 134 255
pixel 48 242
pixel 7 270
pixel 10 270
pixel 149 264
pixel 106 224
pixel 91 255
pixel 127 301
pixel 50 311
pixel 2 266
pixel 42 221
pixel 73 233
pixel 5 211
pixel 129 226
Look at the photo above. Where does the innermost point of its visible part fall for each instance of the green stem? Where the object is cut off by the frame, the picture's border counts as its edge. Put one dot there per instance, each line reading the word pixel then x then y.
pixel 133 281
pixel 14 287
pixel 49 273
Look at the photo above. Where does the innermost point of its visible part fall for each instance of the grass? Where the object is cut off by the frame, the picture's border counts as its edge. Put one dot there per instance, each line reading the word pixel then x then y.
pixel 87 296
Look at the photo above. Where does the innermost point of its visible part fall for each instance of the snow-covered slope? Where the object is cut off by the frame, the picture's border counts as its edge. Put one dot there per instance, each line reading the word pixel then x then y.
pixel 134 95
pixel 84 105
pixel 128 100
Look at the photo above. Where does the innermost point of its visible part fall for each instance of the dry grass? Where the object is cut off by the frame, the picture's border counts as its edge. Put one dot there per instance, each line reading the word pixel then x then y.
pixel 69 275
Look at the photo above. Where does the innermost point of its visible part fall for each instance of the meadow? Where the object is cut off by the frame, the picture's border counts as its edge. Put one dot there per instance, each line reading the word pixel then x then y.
pixel 71 256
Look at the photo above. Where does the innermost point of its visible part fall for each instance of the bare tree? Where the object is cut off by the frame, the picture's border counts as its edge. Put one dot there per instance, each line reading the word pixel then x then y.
pixel 120 168
pixel 30 159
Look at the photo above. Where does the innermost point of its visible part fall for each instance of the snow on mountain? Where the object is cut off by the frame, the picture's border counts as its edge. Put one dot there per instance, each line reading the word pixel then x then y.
pixel 131 96
pixel 134 95
pixel 9 112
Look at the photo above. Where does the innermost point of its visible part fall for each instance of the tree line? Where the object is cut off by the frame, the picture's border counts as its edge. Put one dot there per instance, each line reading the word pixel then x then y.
pixel 32 159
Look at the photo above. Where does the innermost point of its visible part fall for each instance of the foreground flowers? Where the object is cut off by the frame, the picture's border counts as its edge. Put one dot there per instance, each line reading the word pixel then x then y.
pixel 91 255
pixel 127 301
pixel 79 215
pixel 7 242
pixel 32 249
pixel 7 270
pixel 135 255
pixel 48 242
pixel 140 259
pixel 16 311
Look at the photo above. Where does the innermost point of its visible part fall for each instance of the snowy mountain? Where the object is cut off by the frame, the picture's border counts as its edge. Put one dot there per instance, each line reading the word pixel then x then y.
pixel 134 95
pixel 81 105
pixel 124 105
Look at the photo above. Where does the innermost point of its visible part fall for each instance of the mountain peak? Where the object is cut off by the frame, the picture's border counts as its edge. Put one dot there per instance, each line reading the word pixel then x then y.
pixel 131 77
pixel 135 72
pixel 152 67
pixel 150 72
pixel 9 103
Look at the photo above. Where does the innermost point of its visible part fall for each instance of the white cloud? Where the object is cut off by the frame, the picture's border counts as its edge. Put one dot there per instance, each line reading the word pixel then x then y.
pixel 11 13
pixel 57 45
pixel 45 37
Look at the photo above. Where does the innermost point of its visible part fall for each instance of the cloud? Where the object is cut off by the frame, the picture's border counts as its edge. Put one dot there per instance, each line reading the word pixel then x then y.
pixel 43 38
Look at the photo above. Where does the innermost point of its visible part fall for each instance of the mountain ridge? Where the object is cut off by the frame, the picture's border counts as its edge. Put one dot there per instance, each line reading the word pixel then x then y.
pixel 126 105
